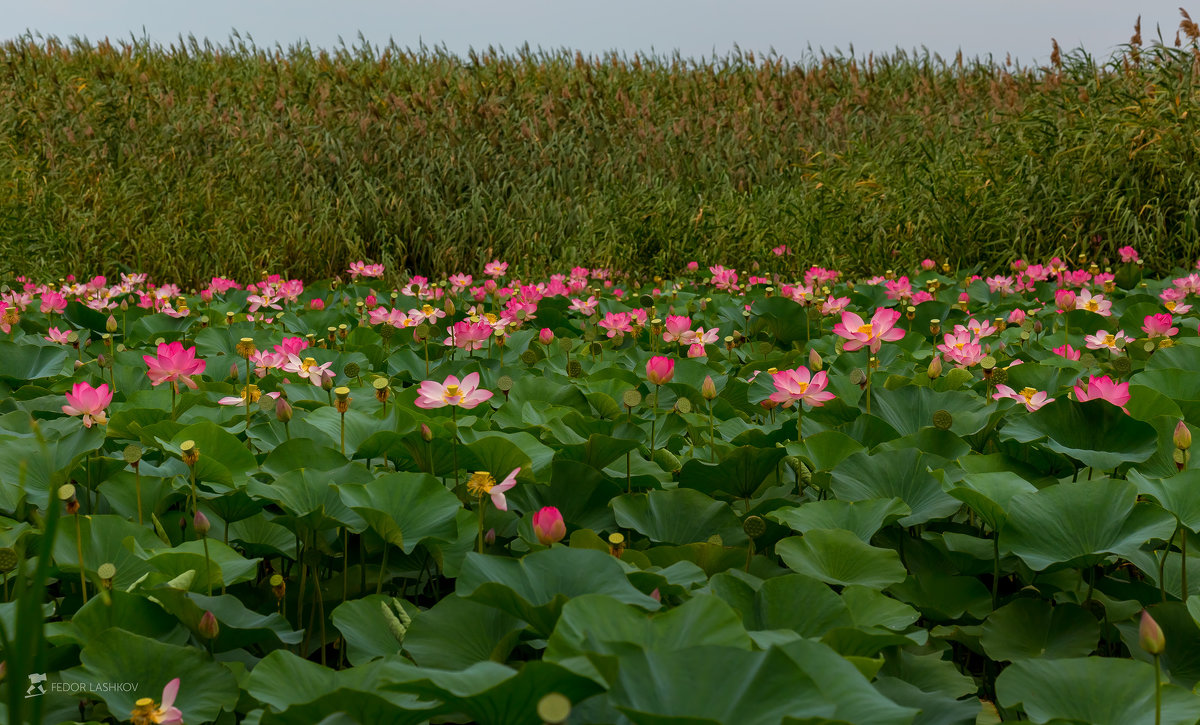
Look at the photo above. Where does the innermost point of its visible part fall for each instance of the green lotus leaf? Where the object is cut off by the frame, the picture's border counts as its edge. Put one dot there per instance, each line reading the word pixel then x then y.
pixel 740 473
pixel 836 556
pixel 899 474
pixel 405 508
pixel 1179 495
pixel 910 408
pixel 679 516
pixel 863 518
pixel 366 629
pixel 310 499
pixel 1095 433
pixel 1099 690
pixel 988 494
pixel 1032 628
pixel 31 359
pixel 456 633
pixel 1072 522
pixel 239 626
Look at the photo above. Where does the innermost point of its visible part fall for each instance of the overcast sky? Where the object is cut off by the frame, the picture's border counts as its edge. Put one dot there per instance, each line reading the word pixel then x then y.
pixel 693 27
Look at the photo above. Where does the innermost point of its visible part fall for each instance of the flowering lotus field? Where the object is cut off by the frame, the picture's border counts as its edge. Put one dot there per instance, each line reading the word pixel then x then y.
pixel 728 496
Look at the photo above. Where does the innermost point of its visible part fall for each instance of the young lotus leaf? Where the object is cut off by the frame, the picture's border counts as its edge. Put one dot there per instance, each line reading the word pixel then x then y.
pixel 1099 690
pixel 1070 522
pixel 836 556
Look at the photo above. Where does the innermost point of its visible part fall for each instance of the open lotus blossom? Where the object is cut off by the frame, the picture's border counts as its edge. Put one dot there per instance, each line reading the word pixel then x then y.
pixel 482 483
pixel 173 364
pixel 362 269
pixel 495 268
pixel 675 327
pixel 62 337
pixel 615 323
pixel 247 390
pixel 801 386
pixel 1128 254
pixel 147 712
pixel 857 333
pixel 1159 325
pixel 1031 397
pixel 469 335
pixel 309 369
pixel 1093 303
pixel 1068 352
pixel 1104 341
pixel 89 402
pixel 1103 388
pixel 453 392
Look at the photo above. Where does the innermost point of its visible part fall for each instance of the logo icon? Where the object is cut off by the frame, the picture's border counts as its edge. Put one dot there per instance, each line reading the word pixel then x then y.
pixel 36 688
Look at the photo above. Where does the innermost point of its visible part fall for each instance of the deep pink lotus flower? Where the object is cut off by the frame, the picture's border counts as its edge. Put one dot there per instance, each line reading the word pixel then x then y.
pixel 89 402
pixel 858 334
pixel 62 337
pixel 801 386
pixel 174 364
pixel 549 526
pixel 1068 352
pixel 1159 326
pixel 546 336
pixel 469 335
pixel 362 269
pixel 495 268
pixel 1128 254
pixel 1103 388
pixel 1032 398
pixel 660 370
pixel 453 392
pixel 53 302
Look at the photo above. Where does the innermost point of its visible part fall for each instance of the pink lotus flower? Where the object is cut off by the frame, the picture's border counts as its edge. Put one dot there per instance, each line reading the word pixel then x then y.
pixel 1128 254
pixel 173 364
pixel 241 399
pixel 1104 341
pixel 833 305
pixel 1103 388
pixel 308 369
pixel 675 326
pixel 587 307
pixel 362 269
pixel 89 402
pixel 660 370
pixel 483 484
pixel 1093 303
pixel 546 336
pixel 495 268
pixel 62 337
pixel 1065 299
pixel 881 328
pixel 1159 325
pixel 781 251
pixel 1033 399
pixel 801 386
pixel 53 302
pixel 1068 352
pixel 469 335
pixel 548 525
pixel 145 712
pixel 616 323
pixel 927 264
pixel 462 394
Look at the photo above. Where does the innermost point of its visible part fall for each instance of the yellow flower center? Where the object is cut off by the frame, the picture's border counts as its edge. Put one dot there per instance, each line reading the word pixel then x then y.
pixel 1170 306
pixel 1110 340
pixel 427 310
pixel 490 318
pixel 308 363
pixel 1091 305
pixel 451 391
pixel 480 484
pixel 866 330
pixel 144 702
pixel 803 387
pixel 1028 394
pixel 959 345
pixel 253 392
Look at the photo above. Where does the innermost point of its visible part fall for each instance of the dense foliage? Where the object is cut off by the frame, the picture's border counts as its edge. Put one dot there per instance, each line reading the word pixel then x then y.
pixel 724 498
pixel 194 160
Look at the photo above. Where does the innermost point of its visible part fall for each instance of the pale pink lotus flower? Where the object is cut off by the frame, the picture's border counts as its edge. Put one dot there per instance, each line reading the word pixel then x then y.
pixel 1102 340
pixel 833 305
pixel 1016 317
pixel 89 402
pixel 173 364
pixel 62 337
pixel 362 269
pixel 675 326
pixel 1031 398
pixel 1093 303
pixel 265 361
pixel 482 484
pixel 453 392
pixel 660 370
pixel 495 268
pixel 587 307
pixel 309 369
pixel 616 323
pixel 241 399
pixel 459 282
pixel 1103 388
pixel 1159 325
pixel 697 349
pixel 701 336
pixel 801 386
pixel 857 333
pixel 144 710
pixel 426 313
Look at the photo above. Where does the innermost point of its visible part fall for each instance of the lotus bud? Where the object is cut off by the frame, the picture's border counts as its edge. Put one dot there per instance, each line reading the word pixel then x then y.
pixel 546 336
pixel 548 525
pixel 815 363
pixel 283 409
pixel 110 324
pixel 208 627
pixel 201 524
pixel 449 307
pixel 234 374
pixel 1183 436
pixel 1150 635
pixel 327 384
pixel 935 368
pixel 708 389
pixel 489 538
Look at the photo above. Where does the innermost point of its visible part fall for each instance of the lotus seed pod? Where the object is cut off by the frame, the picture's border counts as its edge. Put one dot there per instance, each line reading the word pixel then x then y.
pixel 942 419
pixel 596 348
pixel 351 370
pixel 988 362
pixel 683 405
pixel 574 369
pixel 631 398
pixel 754 526
pixel 1150 635
pixel 1087 360
pixel 666 460
pixel 278 586
pixel 999 376
pixel 1122 365
pixel 107 572
pixel 132 453
pixel 858 377
pixel 646 300
pixel 8 559
pixel 616 543
pixel 189 452
pixel 529 357
pixel 715 540
pixel 386 332
pixel 554 708
pixel 504 383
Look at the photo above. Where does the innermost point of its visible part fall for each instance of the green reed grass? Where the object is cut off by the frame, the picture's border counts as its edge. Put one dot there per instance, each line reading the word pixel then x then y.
pixel 196 159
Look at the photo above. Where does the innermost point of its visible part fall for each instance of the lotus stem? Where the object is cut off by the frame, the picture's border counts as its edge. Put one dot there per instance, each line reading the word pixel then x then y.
pixel 1157 691
pixel 79 551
